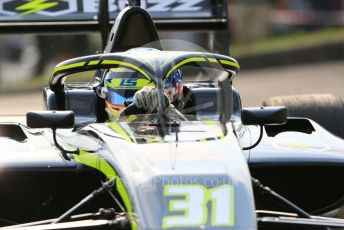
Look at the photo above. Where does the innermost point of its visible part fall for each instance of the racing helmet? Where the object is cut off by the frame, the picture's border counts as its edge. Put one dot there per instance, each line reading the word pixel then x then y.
pixel 121 84
pixel 173 86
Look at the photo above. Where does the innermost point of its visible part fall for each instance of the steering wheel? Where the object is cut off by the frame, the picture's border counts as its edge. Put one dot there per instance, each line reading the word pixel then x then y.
pixel 131 110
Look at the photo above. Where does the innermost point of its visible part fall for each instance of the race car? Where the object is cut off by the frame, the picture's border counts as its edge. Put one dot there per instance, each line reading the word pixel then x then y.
pixel 89 162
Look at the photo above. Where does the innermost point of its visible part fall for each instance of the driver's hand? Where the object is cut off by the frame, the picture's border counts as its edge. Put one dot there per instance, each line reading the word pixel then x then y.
pixel 147 98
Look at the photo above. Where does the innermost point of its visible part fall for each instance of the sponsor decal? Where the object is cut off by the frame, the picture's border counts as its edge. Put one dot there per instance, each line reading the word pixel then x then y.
pixel 35 6
pixel 39 7
pixel 64 7
pixel 150 5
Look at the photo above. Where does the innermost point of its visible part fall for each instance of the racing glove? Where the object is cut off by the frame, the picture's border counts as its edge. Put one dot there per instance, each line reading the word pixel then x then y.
pixel 147 98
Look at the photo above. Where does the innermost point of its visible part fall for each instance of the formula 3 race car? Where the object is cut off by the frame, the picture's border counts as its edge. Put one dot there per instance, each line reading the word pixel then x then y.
pixel 81 165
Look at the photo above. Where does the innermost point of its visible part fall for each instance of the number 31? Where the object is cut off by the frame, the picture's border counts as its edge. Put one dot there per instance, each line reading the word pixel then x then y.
pixel 195 206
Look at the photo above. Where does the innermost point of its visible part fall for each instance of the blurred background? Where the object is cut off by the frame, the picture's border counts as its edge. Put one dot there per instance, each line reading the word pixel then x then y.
pixel 285 47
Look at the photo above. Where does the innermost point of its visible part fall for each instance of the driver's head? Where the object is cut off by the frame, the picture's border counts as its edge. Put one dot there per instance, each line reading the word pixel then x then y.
pixel 121 84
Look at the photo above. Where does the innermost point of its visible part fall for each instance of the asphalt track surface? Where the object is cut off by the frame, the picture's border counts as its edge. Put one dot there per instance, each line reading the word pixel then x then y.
pixel 255 86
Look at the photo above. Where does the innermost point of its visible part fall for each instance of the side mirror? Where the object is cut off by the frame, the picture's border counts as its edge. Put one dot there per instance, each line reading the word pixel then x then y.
pixel 53 120
pixel 50 119
pixel 226 94
pixel 264 116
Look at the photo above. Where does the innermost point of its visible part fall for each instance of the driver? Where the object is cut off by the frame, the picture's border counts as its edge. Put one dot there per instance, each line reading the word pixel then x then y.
pixel 124 86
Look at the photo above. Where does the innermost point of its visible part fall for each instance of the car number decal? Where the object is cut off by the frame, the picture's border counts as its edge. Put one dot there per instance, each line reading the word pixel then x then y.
pixel 191 210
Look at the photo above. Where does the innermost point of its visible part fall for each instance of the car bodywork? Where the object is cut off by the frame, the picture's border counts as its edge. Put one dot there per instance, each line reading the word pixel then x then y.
pixel 126 150
pixel 194 174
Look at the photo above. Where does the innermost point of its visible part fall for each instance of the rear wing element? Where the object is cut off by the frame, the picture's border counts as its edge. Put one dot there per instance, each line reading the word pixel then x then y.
pixel 54 16
pixel 70 15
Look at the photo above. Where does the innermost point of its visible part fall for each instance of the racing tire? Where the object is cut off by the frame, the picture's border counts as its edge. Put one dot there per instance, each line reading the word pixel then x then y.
pixel 325 109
